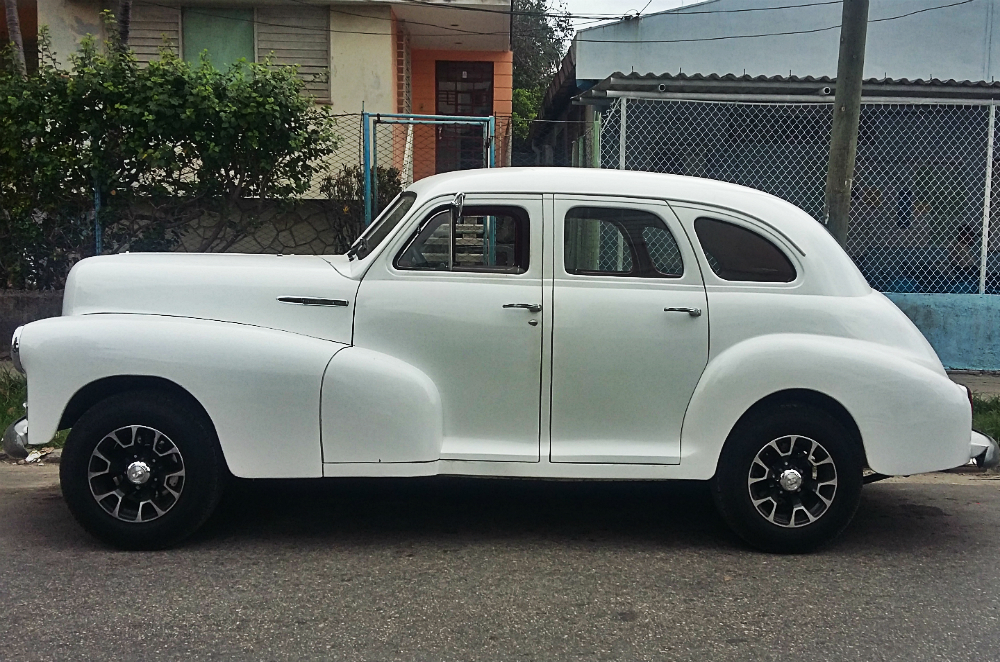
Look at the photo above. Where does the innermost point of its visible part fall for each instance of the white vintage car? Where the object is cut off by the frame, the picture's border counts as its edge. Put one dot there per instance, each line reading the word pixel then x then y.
pixel 545 323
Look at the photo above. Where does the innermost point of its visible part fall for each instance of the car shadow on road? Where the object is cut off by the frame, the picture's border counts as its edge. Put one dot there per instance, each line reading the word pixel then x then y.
pixel 469 509
pixel 662 515
pixel 459 511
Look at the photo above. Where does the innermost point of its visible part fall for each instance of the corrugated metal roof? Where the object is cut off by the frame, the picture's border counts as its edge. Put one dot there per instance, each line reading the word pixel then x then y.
pixel 718 86
pixel 796 79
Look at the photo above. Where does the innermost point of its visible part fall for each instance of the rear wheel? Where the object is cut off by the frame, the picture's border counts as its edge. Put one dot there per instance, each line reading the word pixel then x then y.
pixel 142 470
pixel 789 479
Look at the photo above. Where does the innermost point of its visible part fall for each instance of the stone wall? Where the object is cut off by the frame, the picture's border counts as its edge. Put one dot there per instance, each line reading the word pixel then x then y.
pixel 18 307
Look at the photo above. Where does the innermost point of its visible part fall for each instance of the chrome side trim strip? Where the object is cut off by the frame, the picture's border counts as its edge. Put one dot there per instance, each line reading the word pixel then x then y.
pixel 313 301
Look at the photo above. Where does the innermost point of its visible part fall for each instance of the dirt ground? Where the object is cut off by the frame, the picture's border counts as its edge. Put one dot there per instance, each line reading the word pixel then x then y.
pixel 983 383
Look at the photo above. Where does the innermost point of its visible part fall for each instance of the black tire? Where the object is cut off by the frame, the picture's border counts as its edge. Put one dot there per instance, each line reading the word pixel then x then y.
pixel 192 467
pixel 776 523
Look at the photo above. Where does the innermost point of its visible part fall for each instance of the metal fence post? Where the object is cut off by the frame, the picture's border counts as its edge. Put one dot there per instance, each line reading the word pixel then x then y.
pixel 374 168
pixel 983 254
pixel 98 239
pixel 366 164
pixel 491 127
pixel 621 138
pixel 596 142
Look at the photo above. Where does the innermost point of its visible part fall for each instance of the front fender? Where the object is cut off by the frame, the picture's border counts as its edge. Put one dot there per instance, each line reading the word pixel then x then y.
pixel 376 408
pixel 912 419
pixel 261 387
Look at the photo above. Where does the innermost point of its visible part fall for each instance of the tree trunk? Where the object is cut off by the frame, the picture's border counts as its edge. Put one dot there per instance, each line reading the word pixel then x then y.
pixel 14 33
pixel 124 21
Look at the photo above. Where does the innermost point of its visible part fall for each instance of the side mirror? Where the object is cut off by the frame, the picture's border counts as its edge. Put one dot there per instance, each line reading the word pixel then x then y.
pixel 456 208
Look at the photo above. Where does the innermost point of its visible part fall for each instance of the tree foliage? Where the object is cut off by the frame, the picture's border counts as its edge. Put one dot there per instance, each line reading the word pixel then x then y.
pixel 539 34
pixel 179 152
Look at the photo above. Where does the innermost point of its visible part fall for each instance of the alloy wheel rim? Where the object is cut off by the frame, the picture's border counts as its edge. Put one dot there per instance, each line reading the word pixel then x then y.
pixel 136 474
pixel 792 481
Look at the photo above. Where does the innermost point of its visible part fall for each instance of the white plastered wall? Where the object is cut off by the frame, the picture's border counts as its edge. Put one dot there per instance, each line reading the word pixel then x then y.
pixel 68 22
pixel 362 66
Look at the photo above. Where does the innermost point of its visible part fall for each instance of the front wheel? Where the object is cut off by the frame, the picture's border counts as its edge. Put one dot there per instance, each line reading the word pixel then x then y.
pixel 789 479
pixel 142 470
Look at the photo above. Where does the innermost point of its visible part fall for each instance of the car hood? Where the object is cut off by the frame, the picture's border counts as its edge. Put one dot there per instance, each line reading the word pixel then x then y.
pixel 242 289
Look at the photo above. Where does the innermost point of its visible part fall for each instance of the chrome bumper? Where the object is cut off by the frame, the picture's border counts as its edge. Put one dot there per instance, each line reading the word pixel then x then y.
pixel 984 450
pixel 15 439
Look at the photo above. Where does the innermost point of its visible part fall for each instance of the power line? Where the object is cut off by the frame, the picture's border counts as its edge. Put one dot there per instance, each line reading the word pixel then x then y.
pixel 609 41
pixel 767 34
pixel 674 12
pixel 306 28
pixel 457 31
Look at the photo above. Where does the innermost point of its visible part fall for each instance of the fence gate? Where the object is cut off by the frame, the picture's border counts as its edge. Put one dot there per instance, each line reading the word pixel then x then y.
pixel 406 147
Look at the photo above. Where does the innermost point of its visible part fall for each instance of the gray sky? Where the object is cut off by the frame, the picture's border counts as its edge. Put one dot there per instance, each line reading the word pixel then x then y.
pixel 619 7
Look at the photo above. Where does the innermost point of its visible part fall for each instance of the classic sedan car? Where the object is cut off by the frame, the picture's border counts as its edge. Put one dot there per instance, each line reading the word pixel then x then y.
pixel 546 323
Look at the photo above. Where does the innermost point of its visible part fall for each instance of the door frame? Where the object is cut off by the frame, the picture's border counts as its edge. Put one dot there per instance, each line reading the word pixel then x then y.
pixel 539 247
pixel 556 263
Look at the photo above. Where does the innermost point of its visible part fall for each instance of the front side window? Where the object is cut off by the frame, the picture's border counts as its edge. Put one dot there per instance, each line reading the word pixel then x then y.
pixel 484 239
pixel 382 225
pixel 619 242
pixel 738 254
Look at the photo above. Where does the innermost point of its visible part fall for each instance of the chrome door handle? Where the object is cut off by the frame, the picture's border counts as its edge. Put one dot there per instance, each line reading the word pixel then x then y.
pixel 693 312
pixel 313 301
pixel 530 307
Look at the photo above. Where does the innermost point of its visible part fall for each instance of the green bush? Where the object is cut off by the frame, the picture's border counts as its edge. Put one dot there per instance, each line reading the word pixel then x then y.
pixel 986 415
pixel 179 152
pixel 348 188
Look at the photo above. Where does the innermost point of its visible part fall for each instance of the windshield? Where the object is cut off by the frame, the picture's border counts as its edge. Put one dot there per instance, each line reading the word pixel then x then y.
pixel 382 225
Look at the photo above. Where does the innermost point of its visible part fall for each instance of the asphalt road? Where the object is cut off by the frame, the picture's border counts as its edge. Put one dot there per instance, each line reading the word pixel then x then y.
pixel 457 569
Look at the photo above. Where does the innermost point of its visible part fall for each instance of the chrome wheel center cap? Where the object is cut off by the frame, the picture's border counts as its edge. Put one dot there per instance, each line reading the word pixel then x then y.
pixel 137 473
pixel 790 480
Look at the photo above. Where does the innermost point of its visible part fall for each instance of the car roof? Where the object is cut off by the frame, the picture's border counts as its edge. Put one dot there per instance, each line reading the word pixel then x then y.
pixel 806 234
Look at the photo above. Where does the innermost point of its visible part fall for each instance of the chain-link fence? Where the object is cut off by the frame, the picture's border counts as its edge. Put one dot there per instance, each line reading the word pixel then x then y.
pixel 921 180
pixel 331 214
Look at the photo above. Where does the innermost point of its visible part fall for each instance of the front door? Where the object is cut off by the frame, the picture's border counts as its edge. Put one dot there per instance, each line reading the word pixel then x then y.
pixel 463 88
pixel 460 302
pixel 630 331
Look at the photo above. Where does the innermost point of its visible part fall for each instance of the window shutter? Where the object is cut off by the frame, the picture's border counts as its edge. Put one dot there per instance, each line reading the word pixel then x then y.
pixel 150 23
pixel 297 35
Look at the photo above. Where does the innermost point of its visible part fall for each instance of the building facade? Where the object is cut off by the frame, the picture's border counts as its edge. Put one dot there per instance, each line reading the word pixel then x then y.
pixel 434 57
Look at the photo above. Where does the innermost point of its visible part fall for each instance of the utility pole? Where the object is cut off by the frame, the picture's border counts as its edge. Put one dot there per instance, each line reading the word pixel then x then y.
pixel 846 112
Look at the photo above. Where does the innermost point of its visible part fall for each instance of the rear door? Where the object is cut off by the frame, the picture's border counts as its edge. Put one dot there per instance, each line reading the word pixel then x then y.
pixel 630 331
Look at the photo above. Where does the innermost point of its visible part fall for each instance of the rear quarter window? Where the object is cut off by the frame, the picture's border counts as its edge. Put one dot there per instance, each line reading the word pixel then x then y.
pixel 737 254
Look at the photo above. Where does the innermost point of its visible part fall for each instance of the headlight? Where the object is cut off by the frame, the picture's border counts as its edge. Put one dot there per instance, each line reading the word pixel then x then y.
pixel 15 350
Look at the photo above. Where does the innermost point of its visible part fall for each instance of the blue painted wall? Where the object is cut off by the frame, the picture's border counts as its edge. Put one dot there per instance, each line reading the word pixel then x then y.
pixel 964 329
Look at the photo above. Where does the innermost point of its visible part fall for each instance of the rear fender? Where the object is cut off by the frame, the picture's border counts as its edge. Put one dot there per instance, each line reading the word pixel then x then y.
pixel 911 419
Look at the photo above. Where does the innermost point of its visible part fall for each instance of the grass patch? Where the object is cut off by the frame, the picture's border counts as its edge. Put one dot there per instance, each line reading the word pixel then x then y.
pixel 986 415
pixel 13 393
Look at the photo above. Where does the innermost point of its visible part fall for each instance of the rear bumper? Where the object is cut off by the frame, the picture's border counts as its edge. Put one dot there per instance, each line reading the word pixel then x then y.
pixel 984 450
pixel 15 439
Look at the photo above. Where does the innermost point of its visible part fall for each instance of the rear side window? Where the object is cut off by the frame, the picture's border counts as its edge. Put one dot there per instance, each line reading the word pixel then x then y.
pixel 738 254
pixel 618 241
